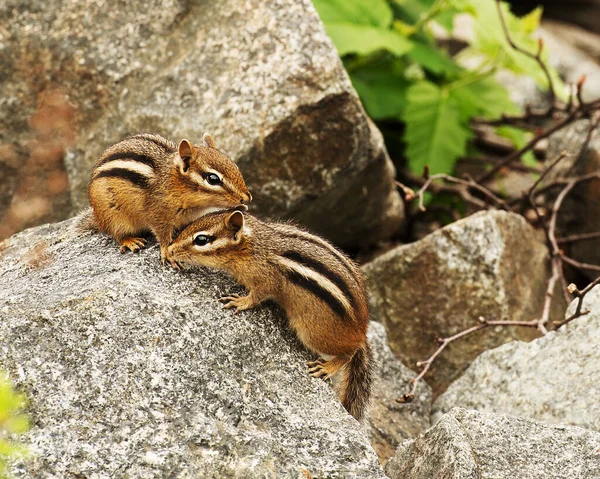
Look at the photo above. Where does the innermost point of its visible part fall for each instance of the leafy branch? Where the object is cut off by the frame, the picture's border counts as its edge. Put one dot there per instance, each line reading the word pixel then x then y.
pixel 408 81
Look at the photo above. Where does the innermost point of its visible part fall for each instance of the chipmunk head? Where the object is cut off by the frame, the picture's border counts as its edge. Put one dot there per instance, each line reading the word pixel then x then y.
pixel 207 171
pixel 206 241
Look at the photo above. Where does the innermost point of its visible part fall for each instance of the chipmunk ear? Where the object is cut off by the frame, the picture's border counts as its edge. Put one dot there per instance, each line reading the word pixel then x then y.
pixel 235 222
pixel 208 140
pixel 185 152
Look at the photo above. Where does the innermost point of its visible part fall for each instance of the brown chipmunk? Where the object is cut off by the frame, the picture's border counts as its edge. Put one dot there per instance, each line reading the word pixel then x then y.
pixel 146 183
pixel 321 290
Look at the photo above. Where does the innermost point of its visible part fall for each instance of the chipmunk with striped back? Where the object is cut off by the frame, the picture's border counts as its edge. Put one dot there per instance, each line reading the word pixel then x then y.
pixel 321 290
pixel 145 183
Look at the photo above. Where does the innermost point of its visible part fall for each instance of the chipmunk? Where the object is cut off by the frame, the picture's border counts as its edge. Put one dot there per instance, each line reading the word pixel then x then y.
pixel 320 289
pixel 146 183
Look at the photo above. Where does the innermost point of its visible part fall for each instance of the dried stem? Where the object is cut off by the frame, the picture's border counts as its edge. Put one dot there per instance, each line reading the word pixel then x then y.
pixel 462 189
pixel 579 237
pixel 579 295
pixel 535 56
pixel 443 342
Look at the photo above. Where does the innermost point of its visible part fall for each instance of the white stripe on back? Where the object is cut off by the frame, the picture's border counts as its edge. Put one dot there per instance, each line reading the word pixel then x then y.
pixel 319 279
pixel 304 234
pixel 130 165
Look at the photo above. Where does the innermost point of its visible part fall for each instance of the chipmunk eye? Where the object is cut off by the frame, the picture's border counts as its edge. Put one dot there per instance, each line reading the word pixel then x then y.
pixel 212 178
pixel 202 240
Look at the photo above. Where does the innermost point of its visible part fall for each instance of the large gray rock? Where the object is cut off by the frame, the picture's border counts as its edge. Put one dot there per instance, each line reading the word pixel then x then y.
pixel 389 421
pixel 262 77
pixel 580 212
pixel 490 264
pixel 552 379
pixel 133 370
pixel 470 445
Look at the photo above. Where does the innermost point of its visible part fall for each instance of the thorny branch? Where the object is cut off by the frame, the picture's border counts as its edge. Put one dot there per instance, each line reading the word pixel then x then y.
pixel 538 198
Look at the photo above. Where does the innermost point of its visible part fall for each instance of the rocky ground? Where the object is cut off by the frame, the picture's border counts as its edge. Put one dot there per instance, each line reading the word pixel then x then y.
pixel 133 370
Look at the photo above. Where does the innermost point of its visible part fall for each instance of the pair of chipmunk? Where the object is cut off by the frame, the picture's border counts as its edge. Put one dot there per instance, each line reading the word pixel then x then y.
pixel 146 183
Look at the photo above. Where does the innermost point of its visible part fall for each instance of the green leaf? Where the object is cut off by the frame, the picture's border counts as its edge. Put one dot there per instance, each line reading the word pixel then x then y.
pixel 376 13
pixel 518 138
pixel 383 94
pixel 435 136
pixel 484 97
pixel 433 59
pixel 446 18
pixel 351 38
pixel 490 40
pixel 409 11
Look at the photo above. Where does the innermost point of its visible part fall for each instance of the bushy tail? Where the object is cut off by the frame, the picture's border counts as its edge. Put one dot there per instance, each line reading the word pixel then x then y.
pixel 85 222
pixel 357 381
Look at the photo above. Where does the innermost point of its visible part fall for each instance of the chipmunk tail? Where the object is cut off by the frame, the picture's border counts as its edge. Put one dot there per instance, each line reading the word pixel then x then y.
pixel 357 381
pixel 86 222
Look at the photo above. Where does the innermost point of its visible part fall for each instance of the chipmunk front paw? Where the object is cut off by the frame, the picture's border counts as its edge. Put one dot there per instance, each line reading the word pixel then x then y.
pixel 168 258
pixel 132 244
pixel 240 303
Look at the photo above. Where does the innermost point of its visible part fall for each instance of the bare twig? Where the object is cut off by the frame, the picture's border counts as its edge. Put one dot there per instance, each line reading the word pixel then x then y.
pixel 443 342
pixel 535 56
pixel 579 295
pixel 529 146
pixel 579 237
pixel 462 190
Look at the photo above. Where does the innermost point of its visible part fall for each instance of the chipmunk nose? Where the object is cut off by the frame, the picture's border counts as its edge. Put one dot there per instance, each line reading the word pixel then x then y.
pixel 247 197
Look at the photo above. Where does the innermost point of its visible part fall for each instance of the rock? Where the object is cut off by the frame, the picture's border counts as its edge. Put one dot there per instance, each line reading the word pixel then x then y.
pixel 571 62
pixel 490 264
pixel 134 370
pixel 468 444
pixel 552 379
pixel 581 12
pixel 389 421
pixel 580 213
pixel 584 40
pixel 262 77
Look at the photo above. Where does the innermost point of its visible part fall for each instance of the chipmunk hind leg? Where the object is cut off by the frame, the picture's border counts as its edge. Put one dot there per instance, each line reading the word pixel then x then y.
pixel 128 235
pixel 326 369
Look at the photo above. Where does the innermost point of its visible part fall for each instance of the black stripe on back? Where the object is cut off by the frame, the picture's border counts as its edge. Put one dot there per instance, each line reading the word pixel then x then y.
pixel 316 289
pixel 128 155
pixel 132 176
pixel 319 242
pixel 164 144
pixel 323 270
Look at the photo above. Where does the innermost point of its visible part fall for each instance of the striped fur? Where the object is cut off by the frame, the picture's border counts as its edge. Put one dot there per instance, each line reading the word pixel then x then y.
pixel 326 272
pixel 145 183
pixel 130 175
pixel 314 285
pixel 291 231
pixel 128 156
